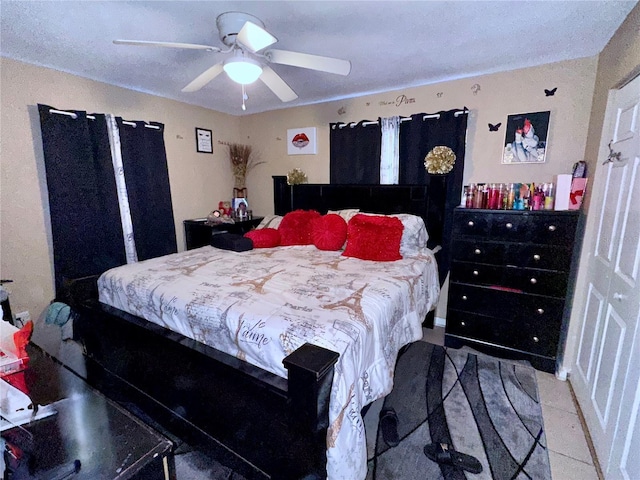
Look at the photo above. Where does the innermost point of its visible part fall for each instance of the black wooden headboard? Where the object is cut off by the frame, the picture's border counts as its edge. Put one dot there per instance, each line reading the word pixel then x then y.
pixel 426 201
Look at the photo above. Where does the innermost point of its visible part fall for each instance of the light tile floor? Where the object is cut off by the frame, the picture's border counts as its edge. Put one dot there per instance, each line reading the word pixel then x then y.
pixel 569 452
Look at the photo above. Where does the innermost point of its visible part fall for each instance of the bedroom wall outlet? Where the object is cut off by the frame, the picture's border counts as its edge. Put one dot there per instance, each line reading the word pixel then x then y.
pixel 23 317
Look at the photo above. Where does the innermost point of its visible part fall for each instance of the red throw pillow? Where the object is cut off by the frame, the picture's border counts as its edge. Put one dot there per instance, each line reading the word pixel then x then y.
pixel 264 237
pixel 374 237
pixel 329 232
pixel 295 227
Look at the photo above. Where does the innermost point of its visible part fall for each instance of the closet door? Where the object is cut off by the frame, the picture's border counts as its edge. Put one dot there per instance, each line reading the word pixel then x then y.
pixel 605 376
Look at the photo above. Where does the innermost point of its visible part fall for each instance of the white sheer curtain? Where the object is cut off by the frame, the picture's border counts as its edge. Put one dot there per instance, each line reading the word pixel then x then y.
pixel 389 151
pixel 121 187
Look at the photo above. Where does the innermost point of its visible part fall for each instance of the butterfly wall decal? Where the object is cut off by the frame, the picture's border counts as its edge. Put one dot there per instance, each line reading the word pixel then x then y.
pixel 550 93
pixel 494 128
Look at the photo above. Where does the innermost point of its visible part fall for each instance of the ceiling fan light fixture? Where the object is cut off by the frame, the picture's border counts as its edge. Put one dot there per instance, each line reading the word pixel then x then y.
pixel 242 70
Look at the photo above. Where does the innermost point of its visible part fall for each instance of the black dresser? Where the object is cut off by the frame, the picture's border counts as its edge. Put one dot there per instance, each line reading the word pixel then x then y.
pixel 197 233
pixel 512 276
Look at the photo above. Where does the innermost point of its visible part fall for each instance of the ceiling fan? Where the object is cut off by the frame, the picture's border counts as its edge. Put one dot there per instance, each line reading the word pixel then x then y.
pixel 244 36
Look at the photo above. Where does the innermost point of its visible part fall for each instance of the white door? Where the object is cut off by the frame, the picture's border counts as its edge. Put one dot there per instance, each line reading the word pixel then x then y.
pixel 607 370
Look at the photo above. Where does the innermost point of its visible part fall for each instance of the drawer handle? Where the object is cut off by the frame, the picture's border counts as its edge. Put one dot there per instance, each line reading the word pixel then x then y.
pixel 471 224
pixel 477 251
pixel 552 228
pixel 475 272
pixel 619 296
pixel 464 297
pixel 540 311
pixel 536 257
pixel 509 225
pixel 536 339
pixel 533 281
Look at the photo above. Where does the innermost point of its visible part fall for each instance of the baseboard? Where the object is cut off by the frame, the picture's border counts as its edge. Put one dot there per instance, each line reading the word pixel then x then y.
pixel 440 322
pixel 562 374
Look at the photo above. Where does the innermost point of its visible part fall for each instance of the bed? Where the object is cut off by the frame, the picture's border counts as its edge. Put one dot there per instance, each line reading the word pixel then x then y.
pixel 268 356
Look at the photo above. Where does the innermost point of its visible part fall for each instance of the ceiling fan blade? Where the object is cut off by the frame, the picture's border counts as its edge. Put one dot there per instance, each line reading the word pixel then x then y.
pixel 143 43
pixel 204 78
pixel 277 85
pixel 313 62
pixel 255 37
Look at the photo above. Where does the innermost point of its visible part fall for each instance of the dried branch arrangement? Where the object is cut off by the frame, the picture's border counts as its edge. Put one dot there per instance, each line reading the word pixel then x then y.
pixel 242 161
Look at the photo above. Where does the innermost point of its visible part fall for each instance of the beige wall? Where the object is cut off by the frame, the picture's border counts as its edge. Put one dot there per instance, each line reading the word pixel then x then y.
pixel 617 63
pixel 198 181
pixel 500 94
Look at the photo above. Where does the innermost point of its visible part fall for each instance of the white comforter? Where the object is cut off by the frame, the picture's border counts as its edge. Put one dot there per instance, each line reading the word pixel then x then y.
pixel 263 304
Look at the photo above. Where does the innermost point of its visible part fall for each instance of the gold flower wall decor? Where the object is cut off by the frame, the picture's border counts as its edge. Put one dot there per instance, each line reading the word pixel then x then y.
pixel 439 160
pixel 296 176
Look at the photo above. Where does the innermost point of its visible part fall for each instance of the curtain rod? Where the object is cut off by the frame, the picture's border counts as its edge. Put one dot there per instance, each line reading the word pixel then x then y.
pixel 91 117
pixel 62 112
pixel 402 119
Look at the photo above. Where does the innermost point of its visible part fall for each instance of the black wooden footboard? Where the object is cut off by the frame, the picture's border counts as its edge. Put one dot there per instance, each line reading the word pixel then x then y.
pixel 276 428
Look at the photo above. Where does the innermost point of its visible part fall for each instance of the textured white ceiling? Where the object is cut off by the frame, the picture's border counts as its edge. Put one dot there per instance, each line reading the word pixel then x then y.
pixel 391 44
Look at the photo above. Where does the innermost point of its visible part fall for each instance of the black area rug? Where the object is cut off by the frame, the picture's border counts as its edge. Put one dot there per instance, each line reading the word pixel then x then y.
pixel 484 407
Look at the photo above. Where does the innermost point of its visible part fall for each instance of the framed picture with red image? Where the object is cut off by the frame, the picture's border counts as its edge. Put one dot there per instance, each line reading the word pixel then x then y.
pixel 301 141
pixel 526 138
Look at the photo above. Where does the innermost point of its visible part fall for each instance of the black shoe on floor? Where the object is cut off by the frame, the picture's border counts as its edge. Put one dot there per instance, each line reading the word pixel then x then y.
pixel 444 453
pixel 389 426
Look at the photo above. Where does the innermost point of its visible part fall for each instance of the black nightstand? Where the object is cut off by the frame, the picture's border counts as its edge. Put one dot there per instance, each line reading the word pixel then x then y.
pixel 198 234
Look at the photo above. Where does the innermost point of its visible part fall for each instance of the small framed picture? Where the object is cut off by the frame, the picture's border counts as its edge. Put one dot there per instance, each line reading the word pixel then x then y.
pixel 301 141
pixel 240 207
pixel 204 140
pixel 526 138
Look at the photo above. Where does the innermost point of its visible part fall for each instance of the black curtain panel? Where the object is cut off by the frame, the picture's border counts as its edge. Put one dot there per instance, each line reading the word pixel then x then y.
pixel 85 219
pixel 417 137
pixel 355 153
pixel 145 170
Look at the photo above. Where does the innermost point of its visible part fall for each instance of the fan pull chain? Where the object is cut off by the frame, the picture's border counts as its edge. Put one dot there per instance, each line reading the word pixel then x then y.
pixel 244 97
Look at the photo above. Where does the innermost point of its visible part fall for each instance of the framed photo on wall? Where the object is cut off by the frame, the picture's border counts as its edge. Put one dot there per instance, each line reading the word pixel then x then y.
pixel 301 141
pixel 204 140
pixel 526 138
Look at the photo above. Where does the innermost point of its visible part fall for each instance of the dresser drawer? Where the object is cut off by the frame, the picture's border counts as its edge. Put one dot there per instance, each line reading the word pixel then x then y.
pixel 550 228
pixel 477 273
pixel 546 257
pixel 472 250
pixel 510 228
pixel 495 224
pixel 527 280
pixel 554 229
pixel 505 303
pixel 535 337
pixel 471 223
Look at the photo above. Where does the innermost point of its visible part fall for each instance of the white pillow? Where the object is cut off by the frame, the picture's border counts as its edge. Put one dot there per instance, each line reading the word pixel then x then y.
pixel 347 213
pixel 414 235
pixel 270 221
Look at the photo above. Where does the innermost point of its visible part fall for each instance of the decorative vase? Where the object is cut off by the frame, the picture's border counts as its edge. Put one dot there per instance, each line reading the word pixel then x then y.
pixel 239 192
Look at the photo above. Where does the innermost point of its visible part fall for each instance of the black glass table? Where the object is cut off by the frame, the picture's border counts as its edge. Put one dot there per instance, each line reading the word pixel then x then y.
pixel 81 435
